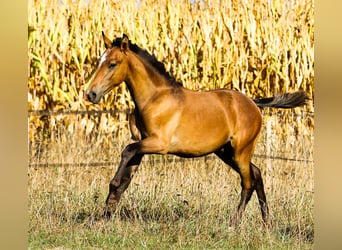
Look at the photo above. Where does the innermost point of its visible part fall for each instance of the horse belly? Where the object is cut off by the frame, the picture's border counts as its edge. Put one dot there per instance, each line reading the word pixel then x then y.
pixel 199 137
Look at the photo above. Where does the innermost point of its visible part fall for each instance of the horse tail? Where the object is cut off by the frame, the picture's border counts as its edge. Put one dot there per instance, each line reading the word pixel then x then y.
pixel 285 101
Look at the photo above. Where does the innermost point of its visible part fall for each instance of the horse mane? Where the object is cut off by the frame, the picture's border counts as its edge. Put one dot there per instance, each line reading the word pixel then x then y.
pixel 150 59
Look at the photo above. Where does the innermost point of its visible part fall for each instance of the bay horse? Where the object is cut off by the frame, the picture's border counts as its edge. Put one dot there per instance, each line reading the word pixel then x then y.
pixel 171 119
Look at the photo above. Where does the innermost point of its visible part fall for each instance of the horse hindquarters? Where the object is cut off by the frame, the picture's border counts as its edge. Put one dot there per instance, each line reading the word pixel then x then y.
pixel 239 150
pixel 250 180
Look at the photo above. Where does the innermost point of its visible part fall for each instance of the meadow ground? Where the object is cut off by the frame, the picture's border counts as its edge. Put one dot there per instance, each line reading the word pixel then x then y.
pixel 171 202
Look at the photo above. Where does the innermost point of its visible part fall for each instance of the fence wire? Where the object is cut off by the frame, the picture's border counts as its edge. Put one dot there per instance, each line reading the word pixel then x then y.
pixel 128 111
pixel 158 161
pixel 42 113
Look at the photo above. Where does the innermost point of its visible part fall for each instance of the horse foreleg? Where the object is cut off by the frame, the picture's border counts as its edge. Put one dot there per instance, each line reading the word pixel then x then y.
pixel 127 155
pixel 130 160
pixel 115 193
pixel 150 145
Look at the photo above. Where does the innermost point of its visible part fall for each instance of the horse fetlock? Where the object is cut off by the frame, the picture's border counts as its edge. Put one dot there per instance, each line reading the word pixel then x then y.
pixel 110 209
pixel 115 183
pixel 265 212
pixel 266 219
pixel 111 197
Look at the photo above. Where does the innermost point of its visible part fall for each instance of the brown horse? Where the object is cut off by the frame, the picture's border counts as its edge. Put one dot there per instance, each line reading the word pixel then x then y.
pixel 170 119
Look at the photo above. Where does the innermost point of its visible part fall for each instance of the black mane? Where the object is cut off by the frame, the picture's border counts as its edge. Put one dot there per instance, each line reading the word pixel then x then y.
pixel 151 59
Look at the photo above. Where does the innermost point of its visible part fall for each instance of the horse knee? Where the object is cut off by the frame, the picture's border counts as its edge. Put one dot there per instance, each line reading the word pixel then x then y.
pixel 251 180
pixel 130 151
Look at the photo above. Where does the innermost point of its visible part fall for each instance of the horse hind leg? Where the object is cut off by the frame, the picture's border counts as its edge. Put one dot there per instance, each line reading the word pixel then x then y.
pixel 251 180
pixel 227 154
pixel 241 164
pixel 247 189
pixel 259 187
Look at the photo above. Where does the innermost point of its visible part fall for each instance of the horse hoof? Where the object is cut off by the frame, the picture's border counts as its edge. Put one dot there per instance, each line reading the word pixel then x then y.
pixel 234 222
pixel 107 215
pixel 267 223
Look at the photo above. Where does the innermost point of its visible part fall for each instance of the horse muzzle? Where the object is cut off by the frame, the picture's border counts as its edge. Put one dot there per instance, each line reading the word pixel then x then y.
pixel 93 97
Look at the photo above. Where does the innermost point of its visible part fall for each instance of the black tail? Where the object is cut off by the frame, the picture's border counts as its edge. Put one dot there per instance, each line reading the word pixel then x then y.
pixel 285 101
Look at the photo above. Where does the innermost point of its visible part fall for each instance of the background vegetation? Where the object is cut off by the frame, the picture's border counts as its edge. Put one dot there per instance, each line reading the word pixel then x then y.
pixel 259 48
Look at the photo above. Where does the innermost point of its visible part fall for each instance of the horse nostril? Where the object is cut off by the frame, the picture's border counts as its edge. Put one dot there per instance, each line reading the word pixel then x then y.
pixel 91 96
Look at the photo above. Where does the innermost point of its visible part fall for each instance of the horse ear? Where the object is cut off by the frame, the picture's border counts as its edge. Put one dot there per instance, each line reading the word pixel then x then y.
pixel 107 41
pixel 124 43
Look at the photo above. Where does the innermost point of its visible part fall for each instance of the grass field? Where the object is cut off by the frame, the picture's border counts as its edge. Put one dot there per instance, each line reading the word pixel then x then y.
pixel 170 203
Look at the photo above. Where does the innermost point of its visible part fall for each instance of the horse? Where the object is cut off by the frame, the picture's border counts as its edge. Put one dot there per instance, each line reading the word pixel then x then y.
pixel 171 119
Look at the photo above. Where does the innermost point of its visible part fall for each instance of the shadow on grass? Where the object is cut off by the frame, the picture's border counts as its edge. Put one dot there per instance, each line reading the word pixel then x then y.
pixel 305 234
pixel 172 213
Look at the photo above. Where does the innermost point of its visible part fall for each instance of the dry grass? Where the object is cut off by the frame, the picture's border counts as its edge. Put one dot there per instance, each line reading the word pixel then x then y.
pixel 176 206
pixel 170 203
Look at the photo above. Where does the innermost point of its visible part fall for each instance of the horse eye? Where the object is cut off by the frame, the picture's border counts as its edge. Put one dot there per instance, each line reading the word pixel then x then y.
pixel 112 65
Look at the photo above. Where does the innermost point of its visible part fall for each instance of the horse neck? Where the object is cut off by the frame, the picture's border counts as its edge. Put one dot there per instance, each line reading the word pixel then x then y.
pixel 144 81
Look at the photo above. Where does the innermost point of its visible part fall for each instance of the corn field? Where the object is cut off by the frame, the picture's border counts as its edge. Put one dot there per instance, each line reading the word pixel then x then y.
pixel 260 48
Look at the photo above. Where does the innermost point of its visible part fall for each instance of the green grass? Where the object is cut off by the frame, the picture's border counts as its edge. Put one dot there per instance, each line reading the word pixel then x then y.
pixel 181 234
